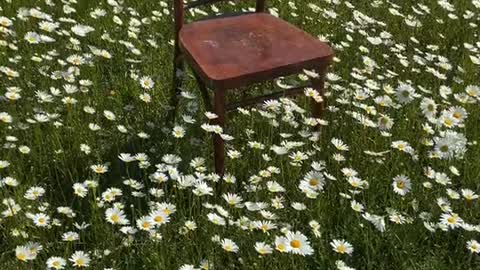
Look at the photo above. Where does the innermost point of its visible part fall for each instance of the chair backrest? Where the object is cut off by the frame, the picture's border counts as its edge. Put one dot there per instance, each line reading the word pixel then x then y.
pixel 179 10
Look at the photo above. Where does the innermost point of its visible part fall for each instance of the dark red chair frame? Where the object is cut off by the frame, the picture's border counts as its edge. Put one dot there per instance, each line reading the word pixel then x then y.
pixel 219 101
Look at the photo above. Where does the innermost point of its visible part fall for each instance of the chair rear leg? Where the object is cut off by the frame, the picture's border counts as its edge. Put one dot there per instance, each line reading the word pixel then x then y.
pixel 218 143
pixel 178 69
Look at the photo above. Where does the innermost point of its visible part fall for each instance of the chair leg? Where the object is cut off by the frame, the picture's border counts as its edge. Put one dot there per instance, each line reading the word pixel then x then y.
pixel 178 69
pixel 318 107
pixel 218 143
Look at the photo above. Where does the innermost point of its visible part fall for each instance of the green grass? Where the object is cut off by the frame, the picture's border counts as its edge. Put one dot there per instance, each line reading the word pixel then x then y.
pixel 55 161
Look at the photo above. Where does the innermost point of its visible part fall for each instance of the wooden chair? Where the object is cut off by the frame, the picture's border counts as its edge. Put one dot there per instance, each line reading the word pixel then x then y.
pixel 229 52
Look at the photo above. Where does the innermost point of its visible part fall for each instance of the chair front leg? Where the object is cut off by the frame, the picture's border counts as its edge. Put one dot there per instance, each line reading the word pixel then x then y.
pixel 218 143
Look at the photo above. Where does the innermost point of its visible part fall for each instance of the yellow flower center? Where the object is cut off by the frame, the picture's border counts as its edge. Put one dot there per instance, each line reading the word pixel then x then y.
pixel 313 182
pixel 401 184
pixel 451 220
pixel 341 249
pixel 22 257
pixel 281 248
pixel 295 243
pixel 158 219
pixel 115 218
pixel 80 262
pixel 457 115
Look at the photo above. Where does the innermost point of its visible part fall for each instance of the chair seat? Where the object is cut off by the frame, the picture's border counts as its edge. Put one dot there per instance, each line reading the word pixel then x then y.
pixel 231 52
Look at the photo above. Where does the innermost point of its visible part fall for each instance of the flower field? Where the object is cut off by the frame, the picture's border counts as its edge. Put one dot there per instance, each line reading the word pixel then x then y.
pixel 93 176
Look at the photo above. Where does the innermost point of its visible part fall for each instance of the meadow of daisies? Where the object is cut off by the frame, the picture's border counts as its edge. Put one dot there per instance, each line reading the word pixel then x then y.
pixel 92 176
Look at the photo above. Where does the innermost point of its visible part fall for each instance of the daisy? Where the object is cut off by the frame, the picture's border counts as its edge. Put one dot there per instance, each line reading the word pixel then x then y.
pixel 385 122
pixel 401 185
pixel 299 206
pixel 473 246
pixel 109 115
pixel 116 216
pixel 178 132
pixel 451 220
pixel 341 246
pixel 339 144
pixel 5 117
pixel 202 189
pixel 263 248
pixel 159 217
pixel 356 206
pixel 229 246
pixel 5 22
pixel 81 30
pixel 315 228
pixel 56 263
pixel 22 253
pixel 32 38
pixel 145 97
pixel 187 267
pixel 34 193
pixel 145 223
pixel 216 219
pixel 146 82
pixel 126 157
pixel 341 265
pixel 298 156
pixel 24 149
pixel 377 221
pixel 281 244
pixel 80 259
pixel 264 225
pixel 402 146
pixel 190 225
pixel 232 199
pixel 298 244
pixel 458 113
pixel 41 220
pixel 70 236
pixel 473 91
pixel 405 93
pixel 99 168
pixel 469 194
pixel 229 178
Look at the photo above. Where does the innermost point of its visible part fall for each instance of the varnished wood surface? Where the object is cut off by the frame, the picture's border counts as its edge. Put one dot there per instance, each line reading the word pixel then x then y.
pixel 235 51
